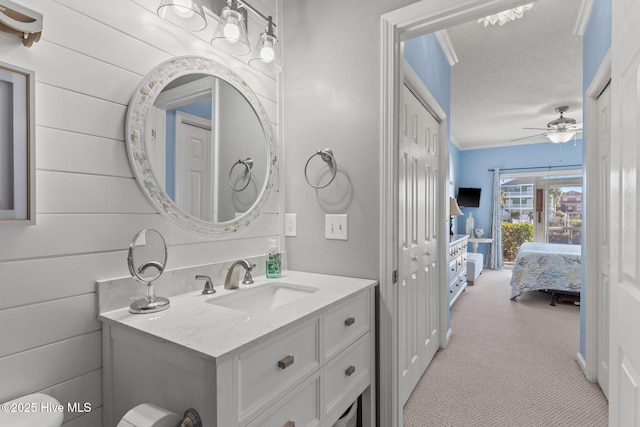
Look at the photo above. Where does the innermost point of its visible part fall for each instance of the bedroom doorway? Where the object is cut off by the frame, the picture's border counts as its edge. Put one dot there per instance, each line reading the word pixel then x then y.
pixel 543 207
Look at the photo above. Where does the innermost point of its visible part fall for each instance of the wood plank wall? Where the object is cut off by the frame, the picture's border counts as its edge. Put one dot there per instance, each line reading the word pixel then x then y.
pixel 91 57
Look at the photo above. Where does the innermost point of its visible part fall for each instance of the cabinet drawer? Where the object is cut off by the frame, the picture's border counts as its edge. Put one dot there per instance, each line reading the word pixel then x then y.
pixel 267 371
pixel 297 409
pixel 348 375
pixel 453 287
pixel 453 268
pixel 462 280
pixel 344 324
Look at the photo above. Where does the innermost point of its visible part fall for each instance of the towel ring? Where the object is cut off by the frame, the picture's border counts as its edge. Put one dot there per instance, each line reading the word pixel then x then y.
pixel 248 164
pixel 327 156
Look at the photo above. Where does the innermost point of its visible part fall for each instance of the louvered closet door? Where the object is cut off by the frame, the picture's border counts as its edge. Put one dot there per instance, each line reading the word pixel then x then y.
pixel 417 286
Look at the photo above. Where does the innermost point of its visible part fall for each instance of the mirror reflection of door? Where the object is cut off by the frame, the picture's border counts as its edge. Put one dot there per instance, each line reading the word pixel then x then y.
pixel 200 126
pixel 193 166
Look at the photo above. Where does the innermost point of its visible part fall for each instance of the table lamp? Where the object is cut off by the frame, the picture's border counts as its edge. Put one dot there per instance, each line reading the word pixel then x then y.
pixel 454 210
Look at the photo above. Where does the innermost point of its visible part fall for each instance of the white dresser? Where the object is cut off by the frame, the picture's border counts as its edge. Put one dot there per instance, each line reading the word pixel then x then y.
pixel 457 266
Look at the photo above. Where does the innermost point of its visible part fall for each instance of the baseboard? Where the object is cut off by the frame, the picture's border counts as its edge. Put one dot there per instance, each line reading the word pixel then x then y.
pixel 447 338
pixel 583 365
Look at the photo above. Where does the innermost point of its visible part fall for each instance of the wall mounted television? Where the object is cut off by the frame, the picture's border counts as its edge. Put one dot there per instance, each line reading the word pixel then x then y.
pixel 469 197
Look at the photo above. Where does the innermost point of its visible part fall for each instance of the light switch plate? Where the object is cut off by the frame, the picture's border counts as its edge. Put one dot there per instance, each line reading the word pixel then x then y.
pixel 336 226
pixel 290 225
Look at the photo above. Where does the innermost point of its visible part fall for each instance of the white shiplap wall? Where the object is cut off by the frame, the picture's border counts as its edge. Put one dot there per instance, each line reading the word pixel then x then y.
pixel 91 57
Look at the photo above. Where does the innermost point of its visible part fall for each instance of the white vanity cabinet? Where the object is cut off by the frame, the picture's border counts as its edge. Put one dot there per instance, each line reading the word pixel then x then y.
pixel 305 372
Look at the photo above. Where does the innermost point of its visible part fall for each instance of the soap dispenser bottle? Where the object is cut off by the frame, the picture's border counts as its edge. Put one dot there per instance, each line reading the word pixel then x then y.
pixel 273 260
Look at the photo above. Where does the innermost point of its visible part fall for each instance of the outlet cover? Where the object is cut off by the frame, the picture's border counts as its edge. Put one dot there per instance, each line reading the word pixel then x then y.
pixel 336 227
pixel 290 225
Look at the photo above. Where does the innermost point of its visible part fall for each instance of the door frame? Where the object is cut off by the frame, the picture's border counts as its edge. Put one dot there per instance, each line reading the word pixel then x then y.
pixel 414 20
pixel 589 362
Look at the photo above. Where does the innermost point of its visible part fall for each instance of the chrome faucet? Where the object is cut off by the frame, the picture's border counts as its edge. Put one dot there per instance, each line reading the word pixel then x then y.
pixel 208 286
pixel 231 282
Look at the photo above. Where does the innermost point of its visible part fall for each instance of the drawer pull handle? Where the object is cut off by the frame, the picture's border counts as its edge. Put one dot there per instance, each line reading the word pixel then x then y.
pixel 285 362
pixel 290 424
pixel 350 321
pixel 350 370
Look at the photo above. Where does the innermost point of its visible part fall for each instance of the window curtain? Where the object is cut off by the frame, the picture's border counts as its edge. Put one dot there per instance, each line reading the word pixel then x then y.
pixel 495 259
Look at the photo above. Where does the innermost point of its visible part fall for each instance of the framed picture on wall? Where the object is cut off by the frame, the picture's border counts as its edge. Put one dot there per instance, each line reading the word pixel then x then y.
pixel 17 145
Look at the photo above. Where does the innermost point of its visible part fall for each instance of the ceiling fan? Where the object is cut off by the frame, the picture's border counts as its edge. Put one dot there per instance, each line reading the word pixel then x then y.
pixel 559 130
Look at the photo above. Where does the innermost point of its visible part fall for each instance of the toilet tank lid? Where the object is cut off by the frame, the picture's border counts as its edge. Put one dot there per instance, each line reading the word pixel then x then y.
pixel 32 410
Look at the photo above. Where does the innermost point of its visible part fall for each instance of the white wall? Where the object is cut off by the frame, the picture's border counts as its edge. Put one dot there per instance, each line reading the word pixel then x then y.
pixel 331 86
pixel 88 63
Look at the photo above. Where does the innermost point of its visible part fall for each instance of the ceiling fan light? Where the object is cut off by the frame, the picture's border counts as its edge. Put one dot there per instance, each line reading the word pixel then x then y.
pixel 560 137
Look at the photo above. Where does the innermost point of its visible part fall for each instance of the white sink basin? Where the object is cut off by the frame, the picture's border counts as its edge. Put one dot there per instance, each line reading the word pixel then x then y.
pixel 262 298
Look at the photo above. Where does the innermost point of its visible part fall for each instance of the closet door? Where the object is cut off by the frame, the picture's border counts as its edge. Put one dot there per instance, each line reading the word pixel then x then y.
pixel 624 347
pixel 418 294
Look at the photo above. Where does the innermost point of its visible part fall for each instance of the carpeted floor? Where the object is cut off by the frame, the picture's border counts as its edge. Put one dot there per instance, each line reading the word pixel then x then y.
pixel 507 364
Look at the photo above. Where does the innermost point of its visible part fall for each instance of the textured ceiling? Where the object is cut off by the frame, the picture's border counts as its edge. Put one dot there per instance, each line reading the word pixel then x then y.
pixel 514 76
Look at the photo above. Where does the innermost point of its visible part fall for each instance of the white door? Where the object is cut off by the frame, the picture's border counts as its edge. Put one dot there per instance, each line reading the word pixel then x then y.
pixel 193 166
pixel 418 288
pixel 603 141
pixel 624 355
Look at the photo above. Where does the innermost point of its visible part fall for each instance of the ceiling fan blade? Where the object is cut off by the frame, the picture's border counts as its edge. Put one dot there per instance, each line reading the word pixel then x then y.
pixel 547 129
pixel 527 137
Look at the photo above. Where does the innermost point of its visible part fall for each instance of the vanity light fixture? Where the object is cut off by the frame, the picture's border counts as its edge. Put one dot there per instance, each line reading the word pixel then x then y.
pixel 231 33
pixel 184 14
pixel 266 55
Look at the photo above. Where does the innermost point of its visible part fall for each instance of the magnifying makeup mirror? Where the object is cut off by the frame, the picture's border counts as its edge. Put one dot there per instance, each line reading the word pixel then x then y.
pixel 146 260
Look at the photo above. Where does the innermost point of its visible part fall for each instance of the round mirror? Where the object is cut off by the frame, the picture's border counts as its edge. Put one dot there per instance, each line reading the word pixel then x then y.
pixel 201 145
pixel 147 255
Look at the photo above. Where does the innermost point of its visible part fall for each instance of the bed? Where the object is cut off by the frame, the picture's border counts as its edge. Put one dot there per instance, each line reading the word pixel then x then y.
pixel 547 267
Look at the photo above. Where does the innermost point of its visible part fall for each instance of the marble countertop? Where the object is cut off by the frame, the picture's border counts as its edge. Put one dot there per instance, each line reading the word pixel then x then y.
pixel 217 332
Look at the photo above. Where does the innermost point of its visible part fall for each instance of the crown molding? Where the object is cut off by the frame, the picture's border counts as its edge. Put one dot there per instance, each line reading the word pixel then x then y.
pixel 447 47
pixel 583 17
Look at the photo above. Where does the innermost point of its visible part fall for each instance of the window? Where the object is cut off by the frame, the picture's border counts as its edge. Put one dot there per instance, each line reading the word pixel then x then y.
pixel 558 219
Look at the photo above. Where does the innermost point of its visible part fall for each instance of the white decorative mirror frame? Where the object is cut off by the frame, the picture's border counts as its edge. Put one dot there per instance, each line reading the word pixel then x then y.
pixel 136 142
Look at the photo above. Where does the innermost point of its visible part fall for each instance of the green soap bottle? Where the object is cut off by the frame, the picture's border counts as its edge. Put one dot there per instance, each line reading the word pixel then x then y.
pixel 273 260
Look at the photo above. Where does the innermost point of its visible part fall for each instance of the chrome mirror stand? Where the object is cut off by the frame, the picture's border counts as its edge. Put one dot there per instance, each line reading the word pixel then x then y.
pixel 150 246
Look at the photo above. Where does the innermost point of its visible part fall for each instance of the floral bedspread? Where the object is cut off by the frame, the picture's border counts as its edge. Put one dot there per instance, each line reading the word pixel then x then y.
pixel 546 266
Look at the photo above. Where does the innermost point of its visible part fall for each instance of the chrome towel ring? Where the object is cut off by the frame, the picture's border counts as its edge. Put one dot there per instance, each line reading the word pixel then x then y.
pixel 327 156
pixel 248 164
